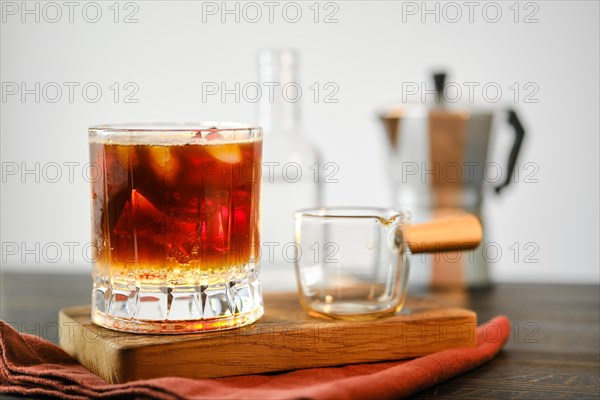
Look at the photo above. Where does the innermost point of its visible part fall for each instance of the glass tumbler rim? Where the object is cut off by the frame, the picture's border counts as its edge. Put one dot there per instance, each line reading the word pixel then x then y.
pixel 229 132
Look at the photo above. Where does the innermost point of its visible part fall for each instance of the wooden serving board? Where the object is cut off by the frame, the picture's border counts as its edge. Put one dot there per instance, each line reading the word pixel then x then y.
pixel 285 338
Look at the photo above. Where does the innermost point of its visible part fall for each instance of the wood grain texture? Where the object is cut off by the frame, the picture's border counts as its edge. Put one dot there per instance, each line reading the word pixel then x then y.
pixel 447 233
pixel 284 339
pixel 553 352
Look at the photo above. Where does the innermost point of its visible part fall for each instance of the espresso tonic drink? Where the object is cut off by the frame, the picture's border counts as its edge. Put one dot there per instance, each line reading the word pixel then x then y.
pixel 176 227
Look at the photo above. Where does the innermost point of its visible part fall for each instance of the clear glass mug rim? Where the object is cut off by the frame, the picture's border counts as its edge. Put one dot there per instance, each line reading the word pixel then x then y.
pixel 383 214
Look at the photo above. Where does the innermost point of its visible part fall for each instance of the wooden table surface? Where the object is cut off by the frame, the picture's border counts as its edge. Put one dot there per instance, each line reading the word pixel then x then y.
pixel 553 353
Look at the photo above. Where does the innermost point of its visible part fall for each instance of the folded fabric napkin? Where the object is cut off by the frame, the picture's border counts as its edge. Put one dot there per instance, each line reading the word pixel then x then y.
pixel 31 366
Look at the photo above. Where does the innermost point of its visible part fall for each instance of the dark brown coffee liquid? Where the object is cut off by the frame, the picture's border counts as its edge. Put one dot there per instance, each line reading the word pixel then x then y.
pixel 182 212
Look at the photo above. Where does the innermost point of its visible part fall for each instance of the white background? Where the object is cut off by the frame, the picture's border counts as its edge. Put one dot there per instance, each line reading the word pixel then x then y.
pixel 368 53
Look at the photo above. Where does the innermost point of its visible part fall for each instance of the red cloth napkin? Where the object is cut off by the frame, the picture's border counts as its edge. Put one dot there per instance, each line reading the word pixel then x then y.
pixel 31 366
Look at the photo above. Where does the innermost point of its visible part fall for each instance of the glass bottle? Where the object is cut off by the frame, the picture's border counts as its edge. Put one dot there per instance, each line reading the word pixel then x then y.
pixel 290 173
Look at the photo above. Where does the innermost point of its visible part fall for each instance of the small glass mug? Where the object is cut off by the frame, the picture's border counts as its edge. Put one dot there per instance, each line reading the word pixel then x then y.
pixel 176 226
pixel 351 262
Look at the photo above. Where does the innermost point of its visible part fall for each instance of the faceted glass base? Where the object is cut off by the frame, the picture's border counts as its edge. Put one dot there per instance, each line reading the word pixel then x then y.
pixel 162 309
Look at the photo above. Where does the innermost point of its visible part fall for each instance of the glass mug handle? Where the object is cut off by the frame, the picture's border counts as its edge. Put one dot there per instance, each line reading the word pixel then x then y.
pixel 514 121
pixel 450 233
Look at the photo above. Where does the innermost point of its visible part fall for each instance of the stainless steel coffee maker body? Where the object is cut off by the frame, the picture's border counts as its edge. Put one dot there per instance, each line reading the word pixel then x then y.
pixel 439 165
